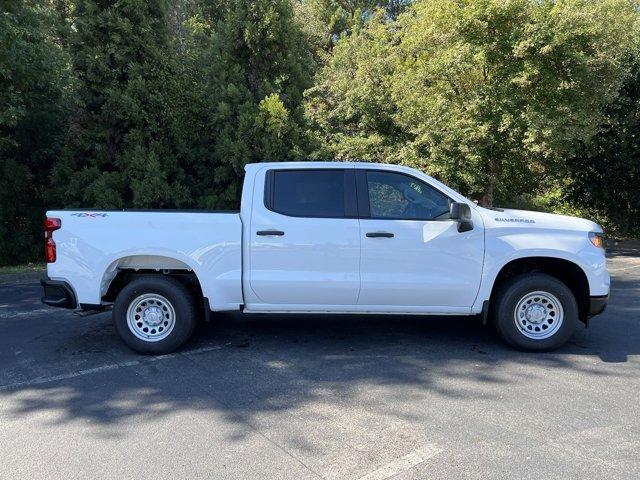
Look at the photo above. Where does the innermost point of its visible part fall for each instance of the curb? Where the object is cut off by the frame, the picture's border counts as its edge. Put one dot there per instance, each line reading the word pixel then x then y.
pixel 622 252
pixel 21 278
pixel 622 247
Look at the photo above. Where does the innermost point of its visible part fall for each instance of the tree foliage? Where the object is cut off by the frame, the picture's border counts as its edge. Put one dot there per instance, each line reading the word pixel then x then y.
pixel 245 96
pixel 155 129
pixel 604 174
pixel 326 21
pixel 119 147
pixel 488 95
pixel 34 85
pixel 351 105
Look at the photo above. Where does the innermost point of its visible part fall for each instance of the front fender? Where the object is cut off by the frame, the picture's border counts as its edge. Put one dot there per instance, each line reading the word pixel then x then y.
pixel 574 247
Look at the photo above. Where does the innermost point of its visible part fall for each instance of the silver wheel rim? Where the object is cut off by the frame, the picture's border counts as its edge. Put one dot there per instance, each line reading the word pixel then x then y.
pixel 151 317
pixel 538 315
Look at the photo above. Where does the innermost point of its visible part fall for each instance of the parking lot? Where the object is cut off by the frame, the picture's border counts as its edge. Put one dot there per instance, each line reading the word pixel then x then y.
pixel 332 397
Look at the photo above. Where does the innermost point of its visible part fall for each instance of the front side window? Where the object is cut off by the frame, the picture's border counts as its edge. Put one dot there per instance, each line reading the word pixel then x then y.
pixel 397 196
pixel 308 193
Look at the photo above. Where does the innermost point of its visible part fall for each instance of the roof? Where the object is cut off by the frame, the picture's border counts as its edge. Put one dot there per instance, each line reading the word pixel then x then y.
pixel 314 164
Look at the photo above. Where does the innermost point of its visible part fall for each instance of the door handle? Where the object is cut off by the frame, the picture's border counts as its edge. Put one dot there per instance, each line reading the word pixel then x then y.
pixel 268 233
pixel 380 235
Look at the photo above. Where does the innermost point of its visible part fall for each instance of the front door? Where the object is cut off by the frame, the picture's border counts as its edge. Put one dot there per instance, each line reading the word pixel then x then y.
pixel 413 258
pixel 305 240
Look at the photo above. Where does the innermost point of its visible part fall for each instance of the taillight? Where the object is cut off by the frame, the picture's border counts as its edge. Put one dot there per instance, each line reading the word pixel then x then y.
pixel 50 225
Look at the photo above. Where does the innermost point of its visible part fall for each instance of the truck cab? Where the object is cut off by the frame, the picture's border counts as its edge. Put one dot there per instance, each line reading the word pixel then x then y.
pixel 328 237
pixel 345 239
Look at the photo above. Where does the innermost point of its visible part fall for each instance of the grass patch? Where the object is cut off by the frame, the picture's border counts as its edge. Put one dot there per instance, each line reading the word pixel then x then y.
pixel 26 268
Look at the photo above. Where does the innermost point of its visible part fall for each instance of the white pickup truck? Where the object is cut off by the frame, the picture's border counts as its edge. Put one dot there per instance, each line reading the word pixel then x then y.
pixel 329 238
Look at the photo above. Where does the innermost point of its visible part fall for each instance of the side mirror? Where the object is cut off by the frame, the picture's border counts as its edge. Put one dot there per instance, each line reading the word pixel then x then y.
pixel 461 213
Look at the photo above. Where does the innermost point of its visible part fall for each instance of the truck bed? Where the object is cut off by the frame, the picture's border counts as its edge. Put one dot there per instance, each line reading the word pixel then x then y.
pixel 93 245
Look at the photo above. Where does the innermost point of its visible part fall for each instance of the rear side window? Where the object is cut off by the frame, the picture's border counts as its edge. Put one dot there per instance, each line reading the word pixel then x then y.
pixel 307 193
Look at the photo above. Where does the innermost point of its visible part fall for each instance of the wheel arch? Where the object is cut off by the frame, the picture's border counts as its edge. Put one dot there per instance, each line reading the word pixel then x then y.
pixel 568 272
pixel 128 267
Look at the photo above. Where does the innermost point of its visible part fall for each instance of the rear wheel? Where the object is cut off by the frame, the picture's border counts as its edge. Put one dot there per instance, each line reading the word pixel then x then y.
pixel 154 314
pixel 535 312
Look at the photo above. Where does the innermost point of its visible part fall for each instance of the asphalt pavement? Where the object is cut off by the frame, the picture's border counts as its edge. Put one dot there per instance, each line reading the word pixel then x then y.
pixel 319 397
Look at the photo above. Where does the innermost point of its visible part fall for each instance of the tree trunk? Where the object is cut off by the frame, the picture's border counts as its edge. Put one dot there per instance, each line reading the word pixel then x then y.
pixel 487 197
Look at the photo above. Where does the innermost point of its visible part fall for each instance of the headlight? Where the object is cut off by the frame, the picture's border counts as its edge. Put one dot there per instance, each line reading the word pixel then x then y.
pixel 597 238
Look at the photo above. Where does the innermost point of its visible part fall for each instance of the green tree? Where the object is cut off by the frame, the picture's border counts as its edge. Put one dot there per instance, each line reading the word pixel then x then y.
pixel 351 104
pixel 521 84
pixel 119 151
pixel 245 99
pixel 604 174
pixel 34 81
pixel 489 95
pixel 325 21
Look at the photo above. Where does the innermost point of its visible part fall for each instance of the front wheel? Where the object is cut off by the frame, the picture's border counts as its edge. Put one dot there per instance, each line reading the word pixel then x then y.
pixel 154 314
pixel 535 312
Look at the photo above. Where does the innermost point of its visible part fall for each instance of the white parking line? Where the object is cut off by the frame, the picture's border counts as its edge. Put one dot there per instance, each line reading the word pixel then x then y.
pixel 403 464
pixel 103 368
pixel 28 313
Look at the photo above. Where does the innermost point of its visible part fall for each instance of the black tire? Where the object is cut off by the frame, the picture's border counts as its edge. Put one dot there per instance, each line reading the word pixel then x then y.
pixel 180 300
pixel 517 288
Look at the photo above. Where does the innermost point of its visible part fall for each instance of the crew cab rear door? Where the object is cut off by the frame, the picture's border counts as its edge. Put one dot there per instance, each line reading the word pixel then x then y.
pixel 413 258
pixel 304 240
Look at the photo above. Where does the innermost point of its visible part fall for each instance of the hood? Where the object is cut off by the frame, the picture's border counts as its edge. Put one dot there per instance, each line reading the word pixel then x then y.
pixel 530 219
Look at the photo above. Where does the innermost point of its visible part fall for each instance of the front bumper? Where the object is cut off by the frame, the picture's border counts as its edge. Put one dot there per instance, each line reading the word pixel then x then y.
pixel 597 305
pixel 58 294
